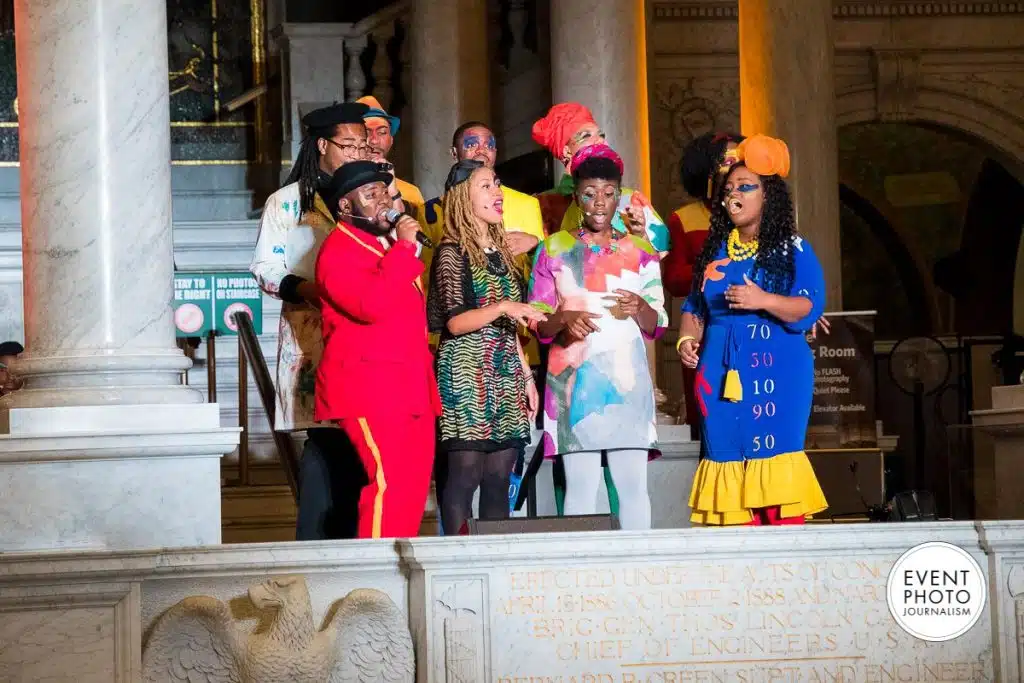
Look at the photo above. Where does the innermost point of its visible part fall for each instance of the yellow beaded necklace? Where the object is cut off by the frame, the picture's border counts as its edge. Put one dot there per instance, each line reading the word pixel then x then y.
pixel 740 251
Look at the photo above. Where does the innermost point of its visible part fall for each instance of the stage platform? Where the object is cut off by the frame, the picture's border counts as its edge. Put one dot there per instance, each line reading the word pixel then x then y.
pixel 744 605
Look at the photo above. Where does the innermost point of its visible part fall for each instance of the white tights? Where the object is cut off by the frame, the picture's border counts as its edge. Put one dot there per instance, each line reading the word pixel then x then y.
pixel 629 472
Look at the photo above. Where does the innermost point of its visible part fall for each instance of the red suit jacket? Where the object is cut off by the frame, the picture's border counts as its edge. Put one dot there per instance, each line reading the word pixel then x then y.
pixel 376 360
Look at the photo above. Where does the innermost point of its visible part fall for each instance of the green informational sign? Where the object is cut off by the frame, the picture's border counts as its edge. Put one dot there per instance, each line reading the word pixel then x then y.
pixel 205 302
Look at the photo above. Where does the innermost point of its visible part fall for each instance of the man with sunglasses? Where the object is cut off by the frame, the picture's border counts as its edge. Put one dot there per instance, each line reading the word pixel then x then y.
pixel 295 223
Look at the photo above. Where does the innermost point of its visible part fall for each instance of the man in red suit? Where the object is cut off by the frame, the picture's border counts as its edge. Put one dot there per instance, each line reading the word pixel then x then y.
pixel 376 378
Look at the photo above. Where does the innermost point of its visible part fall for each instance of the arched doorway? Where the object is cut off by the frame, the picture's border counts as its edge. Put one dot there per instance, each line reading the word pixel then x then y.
pixel 930 230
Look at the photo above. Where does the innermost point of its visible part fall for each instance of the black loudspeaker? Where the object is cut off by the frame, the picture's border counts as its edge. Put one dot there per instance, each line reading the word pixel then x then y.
pixel 912 506
pixel 543 525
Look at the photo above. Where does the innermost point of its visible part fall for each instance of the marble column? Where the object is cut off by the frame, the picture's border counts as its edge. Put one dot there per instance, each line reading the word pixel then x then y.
pixel 96 205
pixel 599 58
pixel 105 447
pixel 450 82
pixel 787 89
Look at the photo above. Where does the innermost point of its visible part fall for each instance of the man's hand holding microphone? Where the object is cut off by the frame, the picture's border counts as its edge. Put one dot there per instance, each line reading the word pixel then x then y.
pixel 408 228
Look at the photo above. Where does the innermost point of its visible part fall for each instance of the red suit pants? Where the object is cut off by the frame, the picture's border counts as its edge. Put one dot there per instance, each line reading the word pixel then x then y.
pixel 398 454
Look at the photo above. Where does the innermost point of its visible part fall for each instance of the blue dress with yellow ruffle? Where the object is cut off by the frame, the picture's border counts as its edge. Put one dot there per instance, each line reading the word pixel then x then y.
pixel 755 418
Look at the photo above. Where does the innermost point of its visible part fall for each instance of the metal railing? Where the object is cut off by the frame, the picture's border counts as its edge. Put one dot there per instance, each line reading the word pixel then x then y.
pixel 249 354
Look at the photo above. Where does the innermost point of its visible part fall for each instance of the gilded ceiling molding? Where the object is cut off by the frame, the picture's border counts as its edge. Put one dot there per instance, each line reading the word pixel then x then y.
pixel 683 10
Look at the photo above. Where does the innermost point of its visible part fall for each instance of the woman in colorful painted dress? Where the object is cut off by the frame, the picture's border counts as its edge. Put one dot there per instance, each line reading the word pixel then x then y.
pixel 758 289
pixel 488 395
pixel 601 286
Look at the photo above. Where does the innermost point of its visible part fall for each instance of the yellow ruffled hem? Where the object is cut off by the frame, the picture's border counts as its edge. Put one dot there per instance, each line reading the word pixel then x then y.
pixel 724 493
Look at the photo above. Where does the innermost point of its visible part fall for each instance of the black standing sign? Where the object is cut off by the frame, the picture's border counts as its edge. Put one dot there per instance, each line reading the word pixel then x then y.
pixel 843 410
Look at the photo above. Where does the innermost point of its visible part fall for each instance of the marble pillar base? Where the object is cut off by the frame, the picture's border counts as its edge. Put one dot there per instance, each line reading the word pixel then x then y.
pixel 101 379
pixel 111 476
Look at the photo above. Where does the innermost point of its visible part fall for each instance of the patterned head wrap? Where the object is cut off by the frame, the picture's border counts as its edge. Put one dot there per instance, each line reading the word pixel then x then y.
pixel 598 151
pixel 559 125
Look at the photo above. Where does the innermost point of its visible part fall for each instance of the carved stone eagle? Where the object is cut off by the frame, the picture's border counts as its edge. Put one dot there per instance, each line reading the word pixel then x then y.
pixel 366 641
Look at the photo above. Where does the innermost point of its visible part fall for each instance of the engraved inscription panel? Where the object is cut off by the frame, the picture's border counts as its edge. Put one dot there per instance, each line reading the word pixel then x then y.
pixel 764 620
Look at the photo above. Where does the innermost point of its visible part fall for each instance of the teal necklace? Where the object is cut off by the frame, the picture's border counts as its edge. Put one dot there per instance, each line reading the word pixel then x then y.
pixel 610 248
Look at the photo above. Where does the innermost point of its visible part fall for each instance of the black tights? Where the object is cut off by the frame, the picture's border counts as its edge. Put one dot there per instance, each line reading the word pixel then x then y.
pixel 468 470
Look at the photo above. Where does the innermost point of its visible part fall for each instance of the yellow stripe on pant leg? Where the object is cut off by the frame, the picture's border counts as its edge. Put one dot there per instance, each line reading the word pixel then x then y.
pixel 382 484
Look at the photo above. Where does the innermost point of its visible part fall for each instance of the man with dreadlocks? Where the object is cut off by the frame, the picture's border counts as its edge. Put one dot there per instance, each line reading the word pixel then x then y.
pixel 294 224
pixel 758 289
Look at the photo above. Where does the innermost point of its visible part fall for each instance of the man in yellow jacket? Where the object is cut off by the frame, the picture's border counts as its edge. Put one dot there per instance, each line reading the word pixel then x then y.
pixel 524 228
pixel 381 129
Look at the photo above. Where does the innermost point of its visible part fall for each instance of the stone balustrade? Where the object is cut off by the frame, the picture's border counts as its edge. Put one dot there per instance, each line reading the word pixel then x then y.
pixel 780 604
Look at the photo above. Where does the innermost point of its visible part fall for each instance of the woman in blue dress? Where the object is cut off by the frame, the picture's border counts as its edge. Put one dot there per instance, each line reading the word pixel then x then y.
pixel 758 289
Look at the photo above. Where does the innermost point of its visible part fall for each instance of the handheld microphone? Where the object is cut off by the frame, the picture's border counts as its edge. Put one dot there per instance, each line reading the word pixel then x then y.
pixel 393 215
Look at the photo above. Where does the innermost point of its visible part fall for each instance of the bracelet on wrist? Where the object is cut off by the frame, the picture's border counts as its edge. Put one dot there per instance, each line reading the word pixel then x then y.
pixel 684 339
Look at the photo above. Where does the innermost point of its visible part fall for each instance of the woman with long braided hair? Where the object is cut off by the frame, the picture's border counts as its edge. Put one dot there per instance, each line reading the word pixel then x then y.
pixel 488 395
pixel 758 288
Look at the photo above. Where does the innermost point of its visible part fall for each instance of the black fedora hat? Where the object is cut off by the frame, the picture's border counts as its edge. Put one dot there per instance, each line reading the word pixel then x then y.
pixel 352 176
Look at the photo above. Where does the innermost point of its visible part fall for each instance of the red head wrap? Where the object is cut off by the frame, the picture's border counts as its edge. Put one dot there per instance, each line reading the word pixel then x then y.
pixel 559 125
pixel 598 151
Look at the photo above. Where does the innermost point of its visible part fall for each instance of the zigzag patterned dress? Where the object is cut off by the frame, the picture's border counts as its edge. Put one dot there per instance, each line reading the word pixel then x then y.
pixel 479 374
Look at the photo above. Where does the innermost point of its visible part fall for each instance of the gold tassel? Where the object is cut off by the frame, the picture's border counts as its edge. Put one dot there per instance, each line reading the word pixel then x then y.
pixel 733 389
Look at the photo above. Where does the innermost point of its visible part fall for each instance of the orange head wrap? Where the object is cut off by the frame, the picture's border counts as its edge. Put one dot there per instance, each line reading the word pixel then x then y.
pixel 764 155
pixel 559 125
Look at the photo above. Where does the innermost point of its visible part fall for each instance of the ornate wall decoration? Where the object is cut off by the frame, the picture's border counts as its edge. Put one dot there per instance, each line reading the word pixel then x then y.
pixel 215 53
pixel 681 110
pixel 460 629
pixel 365 638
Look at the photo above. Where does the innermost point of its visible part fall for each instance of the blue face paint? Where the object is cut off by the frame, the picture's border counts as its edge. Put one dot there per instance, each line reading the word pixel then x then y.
pixel 747 188
pixel 473 141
